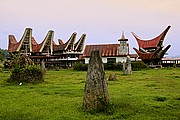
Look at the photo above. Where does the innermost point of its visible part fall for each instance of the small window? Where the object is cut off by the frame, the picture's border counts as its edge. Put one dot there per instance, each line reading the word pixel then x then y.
pixel 111 60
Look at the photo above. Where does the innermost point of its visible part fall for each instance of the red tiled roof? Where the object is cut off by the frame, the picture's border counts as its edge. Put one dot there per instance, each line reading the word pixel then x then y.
pixel 33 41
pixel 13 47
pixel 54 43
pixel 13 44
pixel 106 50
pixel 36 48
pixel 58 47
pixel 12 39
pixel 60 42
pixel 35 45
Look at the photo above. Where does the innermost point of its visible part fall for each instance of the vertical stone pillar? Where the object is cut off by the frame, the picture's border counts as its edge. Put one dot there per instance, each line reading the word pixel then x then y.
pixel 128 69
pixel 96 96
pixel 124 67
pixel 43 66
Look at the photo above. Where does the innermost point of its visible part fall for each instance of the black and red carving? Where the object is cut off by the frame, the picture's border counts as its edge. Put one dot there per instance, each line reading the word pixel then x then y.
pixel 151 51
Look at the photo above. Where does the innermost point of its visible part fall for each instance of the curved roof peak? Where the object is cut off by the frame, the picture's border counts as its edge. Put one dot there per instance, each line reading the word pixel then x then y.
pixel 152 42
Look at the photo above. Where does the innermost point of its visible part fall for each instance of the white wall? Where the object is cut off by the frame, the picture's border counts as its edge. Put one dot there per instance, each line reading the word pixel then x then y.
pixel 104 59
pixel 87 60
pixel 121 59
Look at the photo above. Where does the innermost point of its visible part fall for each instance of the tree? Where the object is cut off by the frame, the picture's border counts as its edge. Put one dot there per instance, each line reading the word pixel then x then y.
pixel 3 54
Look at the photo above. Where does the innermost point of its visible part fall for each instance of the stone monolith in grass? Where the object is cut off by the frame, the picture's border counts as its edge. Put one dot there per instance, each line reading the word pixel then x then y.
pixel 96 96
pixel 127 70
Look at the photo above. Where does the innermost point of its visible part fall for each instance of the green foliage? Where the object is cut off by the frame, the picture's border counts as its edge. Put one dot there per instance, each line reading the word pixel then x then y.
pixel 29 74
pixel 3 54
pixel 18 60
pixel 21 61
pixel 7 64
pixel 23 70
pixel 80 67
pixel 138 65
pixel 1 67
pixel 174 65
pixel 113 66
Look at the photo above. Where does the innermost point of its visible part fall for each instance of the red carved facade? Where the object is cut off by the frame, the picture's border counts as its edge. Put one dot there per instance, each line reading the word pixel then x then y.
pixel 151 51
pixel 48 50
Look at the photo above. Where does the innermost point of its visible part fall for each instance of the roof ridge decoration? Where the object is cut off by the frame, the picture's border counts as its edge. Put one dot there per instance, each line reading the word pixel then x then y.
pixel 28 44
pixel 80 43
pixel 153 42
pixel 48 41
pixel 26 39
pixel 123 38
pixel 151 51
pixel 12 39
pixel 60 42
pixel 33 41
pixel 70 43
pixel 12 43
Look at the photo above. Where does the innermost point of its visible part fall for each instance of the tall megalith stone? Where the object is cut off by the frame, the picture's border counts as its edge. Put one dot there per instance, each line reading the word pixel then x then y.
pixel 96 96
pixel 127 70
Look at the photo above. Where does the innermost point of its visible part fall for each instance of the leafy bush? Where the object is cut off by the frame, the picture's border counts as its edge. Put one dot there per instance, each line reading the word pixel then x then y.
pixel 138 65
pixel 3 54
pixel 1 68
pixel 23 70
pixel 18 60
pixel 80 67
pixel 30 74
pixel 7 64
pixel 113 66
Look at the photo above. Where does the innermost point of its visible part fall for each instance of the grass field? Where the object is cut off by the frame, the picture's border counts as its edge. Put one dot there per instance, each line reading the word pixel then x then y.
pixel 145 95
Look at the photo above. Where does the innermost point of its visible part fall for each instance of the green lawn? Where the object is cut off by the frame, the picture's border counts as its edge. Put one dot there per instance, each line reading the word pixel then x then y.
pixel 145 95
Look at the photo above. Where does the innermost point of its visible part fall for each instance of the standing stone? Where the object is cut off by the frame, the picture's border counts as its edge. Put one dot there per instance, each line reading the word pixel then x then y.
pixel 43 66
pixel 128 69
pixel 96 96
pixel 124 67
pixel 112 77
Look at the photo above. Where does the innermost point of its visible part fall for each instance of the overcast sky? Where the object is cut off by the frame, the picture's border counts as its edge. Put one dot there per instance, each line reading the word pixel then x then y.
pixel 102 20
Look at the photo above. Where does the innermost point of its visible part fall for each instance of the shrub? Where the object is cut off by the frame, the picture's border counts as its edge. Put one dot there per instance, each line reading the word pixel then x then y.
pixel 113 66
pixel 30 74
pixel 138 65
pixel 80 67
pixel 7 64
pixel 1 68
pixel 23 70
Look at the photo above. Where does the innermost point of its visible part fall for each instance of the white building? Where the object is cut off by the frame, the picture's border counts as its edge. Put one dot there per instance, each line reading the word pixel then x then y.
pixel 110 53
